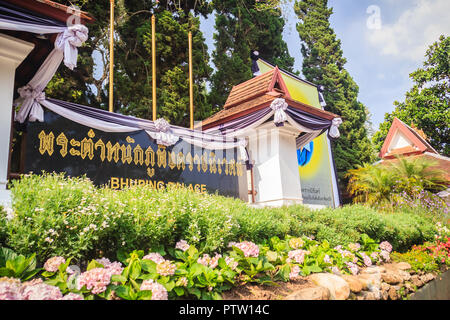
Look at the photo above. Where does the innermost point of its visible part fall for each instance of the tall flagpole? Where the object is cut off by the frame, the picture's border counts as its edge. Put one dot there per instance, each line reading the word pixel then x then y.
pixel 191 86
pixel 111 58
pixel 153 68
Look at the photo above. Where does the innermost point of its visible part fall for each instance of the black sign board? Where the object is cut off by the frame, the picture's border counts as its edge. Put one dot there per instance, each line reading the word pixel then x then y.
pixel 119 160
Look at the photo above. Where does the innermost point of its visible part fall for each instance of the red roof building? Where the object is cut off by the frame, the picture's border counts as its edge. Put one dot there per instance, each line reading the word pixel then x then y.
pixel 408 141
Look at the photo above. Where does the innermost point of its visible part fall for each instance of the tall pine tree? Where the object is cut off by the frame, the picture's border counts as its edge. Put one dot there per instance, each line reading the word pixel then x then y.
pixel 240 29
pixel 88 84
pixel 323 64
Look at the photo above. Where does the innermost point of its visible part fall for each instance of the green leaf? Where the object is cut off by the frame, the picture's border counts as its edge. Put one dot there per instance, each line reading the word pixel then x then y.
pixel 48 274
pixel 5 255
pixel 6 272
pixel 29 274
pixel 118 278
pixel 315 269
pixel 122 256
pixel 238 251
pixel 284 272
pixel 192 251
pixel 135 285
pixel 222 263
pixel 179 291
pixel 259 266
pixel 196 269
pixel 145 295
pixel 216 296
pixel 160 249
pixel 169 286
pixel 123 292
pixel 135 269
pixel 148 265
pixel 18 264
pixel 94 264
pixel 196 292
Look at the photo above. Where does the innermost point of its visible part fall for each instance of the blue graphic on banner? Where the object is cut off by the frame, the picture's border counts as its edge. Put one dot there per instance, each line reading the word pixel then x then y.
pixel 304 154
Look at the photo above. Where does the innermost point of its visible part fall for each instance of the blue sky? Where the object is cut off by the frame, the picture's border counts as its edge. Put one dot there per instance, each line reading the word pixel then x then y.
pixel 380 56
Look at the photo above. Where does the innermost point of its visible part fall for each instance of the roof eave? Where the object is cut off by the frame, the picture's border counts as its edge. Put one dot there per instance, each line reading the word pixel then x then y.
pixel 52 9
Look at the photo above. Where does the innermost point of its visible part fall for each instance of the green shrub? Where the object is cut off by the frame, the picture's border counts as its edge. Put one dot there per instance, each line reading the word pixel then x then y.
pixel 419 260
pixel 54 215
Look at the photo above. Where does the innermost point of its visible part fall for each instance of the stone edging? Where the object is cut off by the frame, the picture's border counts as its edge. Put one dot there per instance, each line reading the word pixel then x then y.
pixel 386 282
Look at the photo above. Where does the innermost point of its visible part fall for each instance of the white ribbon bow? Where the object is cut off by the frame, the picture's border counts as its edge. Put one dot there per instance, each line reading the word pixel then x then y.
pixel 30 105
pixel 242 144
pixel 334 131
pixel 69 40
pixel 279 105
pixel 164 134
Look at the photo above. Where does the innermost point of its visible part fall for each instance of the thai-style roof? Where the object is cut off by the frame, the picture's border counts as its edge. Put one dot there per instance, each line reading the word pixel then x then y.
pixel 256 94
pixel 414 141
pixel 270 81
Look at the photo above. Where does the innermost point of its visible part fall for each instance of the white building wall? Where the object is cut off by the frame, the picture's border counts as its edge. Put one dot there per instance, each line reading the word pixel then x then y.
pixel 12 52
pixel 276 176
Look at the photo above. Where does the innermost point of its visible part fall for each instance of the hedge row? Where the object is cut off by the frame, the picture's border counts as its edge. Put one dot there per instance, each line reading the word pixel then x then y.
pixel 54 215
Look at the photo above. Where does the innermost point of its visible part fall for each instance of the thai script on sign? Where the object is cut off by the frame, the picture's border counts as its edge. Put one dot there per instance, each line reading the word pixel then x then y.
pixel 87 148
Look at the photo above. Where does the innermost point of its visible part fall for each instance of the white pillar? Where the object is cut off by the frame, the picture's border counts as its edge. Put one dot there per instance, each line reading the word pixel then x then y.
pixel 276 175
pixel 12 52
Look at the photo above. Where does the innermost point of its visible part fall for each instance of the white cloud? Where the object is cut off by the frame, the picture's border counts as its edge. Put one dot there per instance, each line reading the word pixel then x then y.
pixel 415 29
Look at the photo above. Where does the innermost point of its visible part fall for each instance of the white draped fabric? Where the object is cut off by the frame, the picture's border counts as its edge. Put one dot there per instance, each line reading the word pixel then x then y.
pixel 68 40
pixel 278 111
pixel 164 133
pixel 66 48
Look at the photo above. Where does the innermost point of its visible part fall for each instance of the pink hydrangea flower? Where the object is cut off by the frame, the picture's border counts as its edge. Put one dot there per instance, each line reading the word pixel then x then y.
pixel 182 245
pixel 297 255
pixel 374 256
pixel 96 280
pixel 352 267
pixel 183 281
pixel 386 246
pixel 41 291
pixel 231 263
pixel 155 257
pixel 249 248
pixel 354 246
pixel 72 296
pixel 335 270
pixel 165 268
pixel 114 267
pixel 295 270
pixel 158 290
pixel 204 260
pixel 52 264
pixel 10 289
pixel 366 259
pixel 385 255
pixel 215 260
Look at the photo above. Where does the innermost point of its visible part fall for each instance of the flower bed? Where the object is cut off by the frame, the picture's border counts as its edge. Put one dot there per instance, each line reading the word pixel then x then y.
pixel 430 256
pixel 184 271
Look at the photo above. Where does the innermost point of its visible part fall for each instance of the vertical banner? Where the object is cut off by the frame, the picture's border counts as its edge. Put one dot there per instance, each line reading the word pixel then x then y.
pixel 315 162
